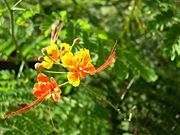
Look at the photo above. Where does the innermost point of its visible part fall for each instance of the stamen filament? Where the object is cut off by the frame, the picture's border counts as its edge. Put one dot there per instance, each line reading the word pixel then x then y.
pixel 55 72
pixel 56 62
pixel 63 84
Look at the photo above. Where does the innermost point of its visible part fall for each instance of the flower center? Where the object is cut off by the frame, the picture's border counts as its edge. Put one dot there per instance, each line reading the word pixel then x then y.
pixel 81 69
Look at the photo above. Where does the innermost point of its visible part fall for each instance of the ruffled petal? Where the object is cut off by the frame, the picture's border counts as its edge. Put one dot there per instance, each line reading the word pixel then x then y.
pixel 47 63
pixel 65 48
pixel 73 78
pixel 82 74
pixel 50 48
pixel 68 60
pixel 90 67
pixel 55 55
pixel 40 89
pixel 42 78
pixel 56 94
pixel 83 57
pixel 53 83
pixel 56 97
pixel 36 92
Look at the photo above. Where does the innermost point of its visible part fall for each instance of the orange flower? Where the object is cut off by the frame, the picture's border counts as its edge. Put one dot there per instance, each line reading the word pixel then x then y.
pixel 43 89
pixel 78 65
pixel 45 85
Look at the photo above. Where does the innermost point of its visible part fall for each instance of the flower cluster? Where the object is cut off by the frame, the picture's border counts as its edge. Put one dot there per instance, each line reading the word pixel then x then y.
pixel 78 65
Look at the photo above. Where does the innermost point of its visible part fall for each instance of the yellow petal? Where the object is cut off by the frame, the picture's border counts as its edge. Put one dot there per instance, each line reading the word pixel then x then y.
pixel 68 60
pixel 47 59
pixel 47 65
pixel 65 46
pixel 83 57
pixel 73 78
pixel 48 96
pixel 50 48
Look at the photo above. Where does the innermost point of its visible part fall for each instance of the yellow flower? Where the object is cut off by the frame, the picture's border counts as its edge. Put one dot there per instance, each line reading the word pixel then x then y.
pixel 78 65
pixel 54 56
pixel 53 51
pixel 47 63
pixel 64 49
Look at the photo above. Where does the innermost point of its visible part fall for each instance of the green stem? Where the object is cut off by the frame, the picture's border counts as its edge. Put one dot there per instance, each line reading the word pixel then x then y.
pixel 49 104
pixel 55 72
pixel 16 3
pixel 12 26
pixel 73 45
pixel 21 69
pixel 63 84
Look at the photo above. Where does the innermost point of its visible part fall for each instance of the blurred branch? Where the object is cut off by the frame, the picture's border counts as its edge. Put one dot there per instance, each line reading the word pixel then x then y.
pixel 12 25
pixel 128 87
pixel 16 3
pixel 21 69
pixel 75 2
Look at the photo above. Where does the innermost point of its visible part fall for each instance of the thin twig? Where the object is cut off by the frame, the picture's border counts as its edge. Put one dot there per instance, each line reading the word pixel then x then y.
pixel 49 104
pixel 16 3
pixel 12 26
pixel 128 87
pixel 21 69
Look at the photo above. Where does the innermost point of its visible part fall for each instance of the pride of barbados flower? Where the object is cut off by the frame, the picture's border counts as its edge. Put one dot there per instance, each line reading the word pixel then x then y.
pixel 78 66
pixel 81 64
pixel 45 86
pixel 42 90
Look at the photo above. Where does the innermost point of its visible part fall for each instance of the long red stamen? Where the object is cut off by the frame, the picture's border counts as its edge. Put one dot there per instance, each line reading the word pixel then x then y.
pixel 53 29
pixel 108 62
pixel 58 32
pixel 28 106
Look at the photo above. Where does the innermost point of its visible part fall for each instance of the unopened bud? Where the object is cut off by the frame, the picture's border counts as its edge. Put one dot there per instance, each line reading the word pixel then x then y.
pixel 38 66
pixel 77 40
pixel 40 58
pixel 44 50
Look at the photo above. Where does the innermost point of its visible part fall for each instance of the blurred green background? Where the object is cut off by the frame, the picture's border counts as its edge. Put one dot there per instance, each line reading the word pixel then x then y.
pixel 138 95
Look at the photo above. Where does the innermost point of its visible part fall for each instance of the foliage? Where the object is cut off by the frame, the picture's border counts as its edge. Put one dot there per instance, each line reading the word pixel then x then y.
pixel 139 94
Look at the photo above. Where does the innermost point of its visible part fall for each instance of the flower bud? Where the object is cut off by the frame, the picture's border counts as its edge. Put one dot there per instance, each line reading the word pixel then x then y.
pixel 38 66
pixel 40 58
pixel 77 40
pixel 44 50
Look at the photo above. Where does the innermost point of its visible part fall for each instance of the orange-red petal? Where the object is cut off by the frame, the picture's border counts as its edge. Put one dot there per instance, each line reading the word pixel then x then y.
pixel 82 74
pixel 42 78
pixel 73 78
pixel 40 88
pixel 56 94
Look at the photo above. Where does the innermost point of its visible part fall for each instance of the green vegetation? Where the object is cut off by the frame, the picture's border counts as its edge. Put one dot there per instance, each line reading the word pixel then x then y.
pixel 138 95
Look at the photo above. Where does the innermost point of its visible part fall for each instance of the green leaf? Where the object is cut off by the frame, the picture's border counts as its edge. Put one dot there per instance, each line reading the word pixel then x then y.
pixel 137 66
pixel 28 14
